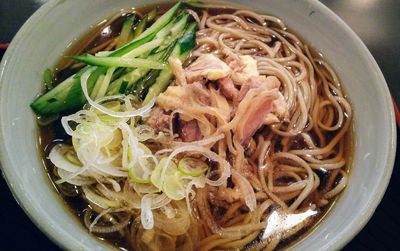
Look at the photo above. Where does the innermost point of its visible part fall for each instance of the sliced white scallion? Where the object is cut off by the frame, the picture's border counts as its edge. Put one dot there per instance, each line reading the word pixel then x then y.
pixel 226 167
pixel 174 187
pixel 138 175
pixel 171 169
pixel 57 157
pixel 73 178
pixel 192 167
pixel 146 215
pixel 99 200
pixel 71 157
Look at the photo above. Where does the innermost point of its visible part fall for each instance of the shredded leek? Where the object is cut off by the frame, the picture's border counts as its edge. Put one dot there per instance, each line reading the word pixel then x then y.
pixel 192 167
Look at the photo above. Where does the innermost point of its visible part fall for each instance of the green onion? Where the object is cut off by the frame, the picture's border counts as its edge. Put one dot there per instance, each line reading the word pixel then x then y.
pixel 192 167
pixel 72 158
pixel 156 174
pixel 136 173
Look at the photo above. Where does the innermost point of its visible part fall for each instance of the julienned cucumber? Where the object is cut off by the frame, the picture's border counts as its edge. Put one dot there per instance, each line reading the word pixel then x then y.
pixel 119 62
pixel 181 50
pixel 129 81
pixel 68 94
pixel 151 31
pixel 118 86
pixel 126 31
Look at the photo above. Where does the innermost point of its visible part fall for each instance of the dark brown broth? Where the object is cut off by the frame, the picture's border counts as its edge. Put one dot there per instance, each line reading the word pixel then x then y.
pixel 54 133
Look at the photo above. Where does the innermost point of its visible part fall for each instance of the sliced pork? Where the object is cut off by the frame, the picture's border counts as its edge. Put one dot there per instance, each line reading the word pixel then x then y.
pixel 267 83
pixel 256 109
pixel 227 88
pixel 159 120
pixel 189 131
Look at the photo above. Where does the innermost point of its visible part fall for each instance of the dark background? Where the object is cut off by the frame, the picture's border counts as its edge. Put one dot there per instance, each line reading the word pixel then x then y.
pixel 377 22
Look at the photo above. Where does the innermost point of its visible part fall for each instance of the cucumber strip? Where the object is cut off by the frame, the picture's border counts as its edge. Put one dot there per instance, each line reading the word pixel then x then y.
pixel 103 86
pixel 152 15
pixel 163 38
pixel 178 28
pixel 130 77
pixel 140 27
pixel 150 32
pixel 120 85
pixel 48 79
pixel 119 62
pixel 144 48
pixel 118 73
pixel 125 31
pixel 53 100
pixel 181 50
pixel 75 96
pixel 97 86
pixel 163 20
pixel 175 32
pixel 139 51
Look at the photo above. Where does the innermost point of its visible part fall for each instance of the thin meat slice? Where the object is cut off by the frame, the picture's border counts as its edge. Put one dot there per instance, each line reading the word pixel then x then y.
pixel 178 97
pixel 254 119
pixel 159 120
pixel 189 131
pixel 244 89
pixel 267 83
pixel 257 108
pixel 228 89
pixel 207 66
pixel 233 60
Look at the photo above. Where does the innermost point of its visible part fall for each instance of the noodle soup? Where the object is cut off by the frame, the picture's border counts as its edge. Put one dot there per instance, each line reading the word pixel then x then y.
pixel 240 142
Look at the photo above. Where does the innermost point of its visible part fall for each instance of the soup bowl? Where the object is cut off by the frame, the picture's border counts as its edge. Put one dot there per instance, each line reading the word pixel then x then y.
pixel 43 38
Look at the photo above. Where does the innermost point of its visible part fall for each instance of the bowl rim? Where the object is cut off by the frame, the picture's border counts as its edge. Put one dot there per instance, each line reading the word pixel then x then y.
pixel 22 200
pixel 354 229
pixel 36 216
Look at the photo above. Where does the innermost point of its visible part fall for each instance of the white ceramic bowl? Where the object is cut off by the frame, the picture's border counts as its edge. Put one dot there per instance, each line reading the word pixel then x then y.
pixel 43 38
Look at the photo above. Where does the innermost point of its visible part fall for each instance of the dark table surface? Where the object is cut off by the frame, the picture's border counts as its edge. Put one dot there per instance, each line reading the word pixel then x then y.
pixel 377 22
